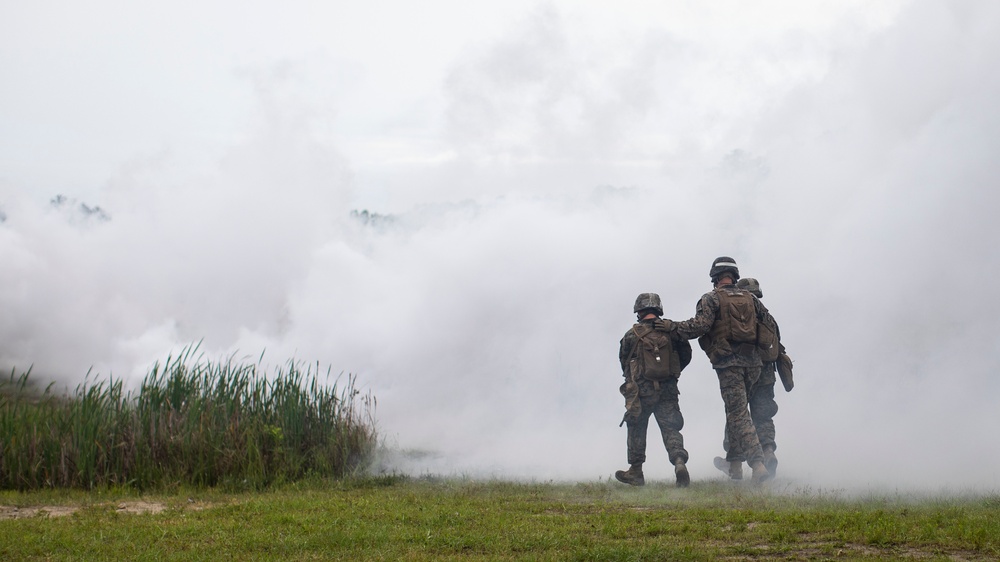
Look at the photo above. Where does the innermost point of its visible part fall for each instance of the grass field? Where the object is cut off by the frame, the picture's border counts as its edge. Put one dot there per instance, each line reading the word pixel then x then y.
pixel 222 460
pixel 394 518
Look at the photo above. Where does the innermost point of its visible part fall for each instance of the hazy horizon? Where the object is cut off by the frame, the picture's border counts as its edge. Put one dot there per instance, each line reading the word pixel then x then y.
pixel 526 171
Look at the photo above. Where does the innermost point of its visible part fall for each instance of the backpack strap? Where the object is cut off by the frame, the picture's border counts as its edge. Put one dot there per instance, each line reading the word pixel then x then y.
pixel 640 338
pixel 635 352
pixel 638 341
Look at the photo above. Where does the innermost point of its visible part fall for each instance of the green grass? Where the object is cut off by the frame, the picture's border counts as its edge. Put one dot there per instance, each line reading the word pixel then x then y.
pixel 189 422
pixel 400 519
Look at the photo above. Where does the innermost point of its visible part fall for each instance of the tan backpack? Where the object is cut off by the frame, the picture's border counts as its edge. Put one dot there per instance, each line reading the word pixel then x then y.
pixel 735 327
pixel 737 317
pixel 654 357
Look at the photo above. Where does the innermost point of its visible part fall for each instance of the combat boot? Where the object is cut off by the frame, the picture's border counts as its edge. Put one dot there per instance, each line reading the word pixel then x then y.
pixel 721 464
pixel 632 476
pixel 760 473
pixel 732 469
pixel 681 471
pixel 736 470
pixel 771 462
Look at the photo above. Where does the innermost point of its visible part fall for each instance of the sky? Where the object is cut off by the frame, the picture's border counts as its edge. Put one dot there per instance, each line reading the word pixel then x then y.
pixel 459 202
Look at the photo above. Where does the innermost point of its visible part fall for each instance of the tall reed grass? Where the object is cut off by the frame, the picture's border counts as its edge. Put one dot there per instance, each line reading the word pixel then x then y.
pixel 190 422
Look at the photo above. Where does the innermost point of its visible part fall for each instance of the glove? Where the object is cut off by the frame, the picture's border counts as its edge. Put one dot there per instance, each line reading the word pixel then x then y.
pixel 663 324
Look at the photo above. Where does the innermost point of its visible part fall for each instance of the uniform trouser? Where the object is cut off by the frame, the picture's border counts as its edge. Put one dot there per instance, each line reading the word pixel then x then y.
pixel 762 409
pixel 662 404
pixel 735 384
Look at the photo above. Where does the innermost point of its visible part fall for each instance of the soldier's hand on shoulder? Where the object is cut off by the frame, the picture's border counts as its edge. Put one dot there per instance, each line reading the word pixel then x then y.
pixel 664 324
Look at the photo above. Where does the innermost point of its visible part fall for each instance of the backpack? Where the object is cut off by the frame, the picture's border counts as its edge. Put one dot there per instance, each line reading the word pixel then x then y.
pixel 735 329
pixel 737 316
pixel 654 357
pixel 768 341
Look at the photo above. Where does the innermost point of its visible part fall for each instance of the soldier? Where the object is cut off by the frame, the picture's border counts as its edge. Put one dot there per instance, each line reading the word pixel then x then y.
pixel 761 402
pixel 726 322
pixel 651 362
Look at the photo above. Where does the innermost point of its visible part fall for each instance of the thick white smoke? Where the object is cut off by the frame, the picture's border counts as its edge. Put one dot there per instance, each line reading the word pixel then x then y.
pixel 849 168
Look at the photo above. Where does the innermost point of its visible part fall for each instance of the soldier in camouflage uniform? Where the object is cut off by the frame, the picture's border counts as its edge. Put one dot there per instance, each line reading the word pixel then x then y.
pixel 645 398
pixel 735 359
pixel 761 402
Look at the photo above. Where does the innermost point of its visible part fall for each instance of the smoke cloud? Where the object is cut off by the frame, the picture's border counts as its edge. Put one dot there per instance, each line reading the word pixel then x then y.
pixel 479 282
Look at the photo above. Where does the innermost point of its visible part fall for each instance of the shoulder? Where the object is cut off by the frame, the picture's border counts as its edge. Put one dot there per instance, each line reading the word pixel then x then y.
pixel 710 299
pixel 630 334
pixel 642 328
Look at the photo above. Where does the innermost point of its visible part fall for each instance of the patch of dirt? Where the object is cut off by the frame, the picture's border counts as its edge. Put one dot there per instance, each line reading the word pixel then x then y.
pixel 819 549
pixel 140 507
pixel 50 511
pixel 129 507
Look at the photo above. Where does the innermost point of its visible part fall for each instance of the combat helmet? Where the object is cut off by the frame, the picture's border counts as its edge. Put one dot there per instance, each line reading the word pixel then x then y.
pixel 724 264
pixel 751 284
pixel 650 301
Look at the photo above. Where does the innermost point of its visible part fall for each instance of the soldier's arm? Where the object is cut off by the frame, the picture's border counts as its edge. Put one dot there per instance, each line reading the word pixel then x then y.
pixel 624 351
pixel 704 317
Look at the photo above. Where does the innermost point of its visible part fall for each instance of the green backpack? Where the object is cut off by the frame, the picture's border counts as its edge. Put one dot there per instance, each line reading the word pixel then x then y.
pixel 654 357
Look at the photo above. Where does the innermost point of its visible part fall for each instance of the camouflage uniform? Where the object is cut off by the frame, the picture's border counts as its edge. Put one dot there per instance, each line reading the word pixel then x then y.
pixel 657 399
pixel 762 404
pixel 762 408
pixel 737 373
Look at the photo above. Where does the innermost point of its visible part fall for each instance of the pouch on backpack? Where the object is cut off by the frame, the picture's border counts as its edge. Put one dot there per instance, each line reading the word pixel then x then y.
pixel 654 356
pixel 785 370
